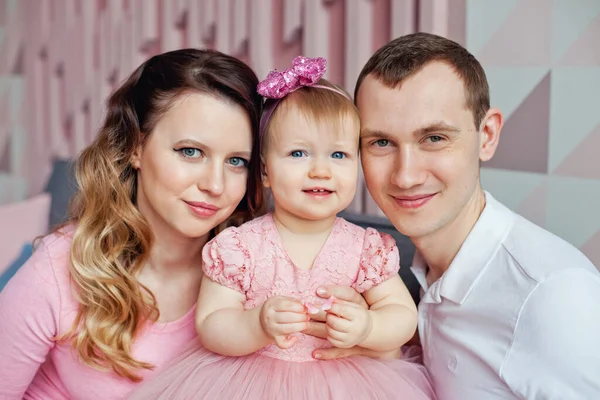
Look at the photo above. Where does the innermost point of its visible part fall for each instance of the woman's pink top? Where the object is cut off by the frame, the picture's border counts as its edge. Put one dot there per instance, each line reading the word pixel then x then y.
pixel 36 305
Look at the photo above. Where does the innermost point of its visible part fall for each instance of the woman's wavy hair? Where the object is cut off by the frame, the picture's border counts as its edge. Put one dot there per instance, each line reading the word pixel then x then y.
pixel 112 239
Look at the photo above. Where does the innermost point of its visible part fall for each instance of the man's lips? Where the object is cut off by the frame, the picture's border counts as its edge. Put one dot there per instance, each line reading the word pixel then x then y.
pixel 413 201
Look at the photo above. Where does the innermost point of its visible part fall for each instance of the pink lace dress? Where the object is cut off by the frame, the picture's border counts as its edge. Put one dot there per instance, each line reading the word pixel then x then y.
pixel 251 259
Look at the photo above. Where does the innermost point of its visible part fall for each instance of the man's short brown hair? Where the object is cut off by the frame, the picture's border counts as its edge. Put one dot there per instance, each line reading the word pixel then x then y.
pixel 406 55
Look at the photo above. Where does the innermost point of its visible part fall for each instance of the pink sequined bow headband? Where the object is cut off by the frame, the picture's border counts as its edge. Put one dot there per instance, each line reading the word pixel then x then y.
pixel 304 71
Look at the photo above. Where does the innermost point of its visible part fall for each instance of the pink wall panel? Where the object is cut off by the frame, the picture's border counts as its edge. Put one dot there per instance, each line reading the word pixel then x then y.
pixel 74 52
pixel 62 58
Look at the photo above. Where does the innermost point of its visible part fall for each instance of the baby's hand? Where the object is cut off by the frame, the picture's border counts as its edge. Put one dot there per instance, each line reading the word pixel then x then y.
pixel 348 324
pixel 280 317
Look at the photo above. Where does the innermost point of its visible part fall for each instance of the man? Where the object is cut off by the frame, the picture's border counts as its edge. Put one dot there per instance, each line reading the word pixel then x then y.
pixel 509 311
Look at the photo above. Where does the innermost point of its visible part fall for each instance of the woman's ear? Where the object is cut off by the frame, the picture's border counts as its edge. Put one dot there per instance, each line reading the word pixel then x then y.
pixel 136 157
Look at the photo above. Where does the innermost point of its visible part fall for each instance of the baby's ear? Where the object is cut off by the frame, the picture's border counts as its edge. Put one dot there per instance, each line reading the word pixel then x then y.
pixel 264 174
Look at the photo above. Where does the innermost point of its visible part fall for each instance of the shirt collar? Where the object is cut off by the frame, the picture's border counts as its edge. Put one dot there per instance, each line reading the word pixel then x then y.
pixel 478 249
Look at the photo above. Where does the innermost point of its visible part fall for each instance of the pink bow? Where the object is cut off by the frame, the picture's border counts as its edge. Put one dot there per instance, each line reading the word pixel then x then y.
pixel 304 71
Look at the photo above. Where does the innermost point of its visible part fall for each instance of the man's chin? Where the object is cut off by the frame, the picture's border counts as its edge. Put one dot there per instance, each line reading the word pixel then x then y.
pixel 411 225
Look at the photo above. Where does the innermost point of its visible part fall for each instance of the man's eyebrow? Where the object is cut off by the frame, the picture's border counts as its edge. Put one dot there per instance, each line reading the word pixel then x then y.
pixel 436 127
pixel 369 134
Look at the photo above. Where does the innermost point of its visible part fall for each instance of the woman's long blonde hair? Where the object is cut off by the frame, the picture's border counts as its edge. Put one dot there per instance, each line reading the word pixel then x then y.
pixel 112 239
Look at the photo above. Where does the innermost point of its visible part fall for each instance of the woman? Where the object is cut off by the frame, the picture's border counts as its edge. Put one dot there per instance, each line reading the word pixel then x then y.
pixel 109 298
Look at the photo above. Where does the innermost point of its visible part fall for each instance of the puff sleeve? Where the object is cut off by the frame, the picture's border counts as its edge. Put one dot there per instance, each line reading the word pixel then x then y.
pixel 380 260
pixel 227 261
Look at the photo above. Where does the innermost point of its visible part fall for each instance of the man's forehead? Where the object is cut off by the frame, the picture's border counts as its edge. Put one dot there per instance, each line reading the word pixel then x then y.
pixel 431 77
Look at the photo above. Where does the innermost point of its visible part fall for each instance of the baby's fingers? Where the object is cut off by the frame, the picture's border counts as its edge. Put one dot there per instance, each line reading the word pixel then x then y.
pixel 285 341
pixel 337 323
pixel 288 304
pixel 287 329
pixel 343 310
pixel 289 317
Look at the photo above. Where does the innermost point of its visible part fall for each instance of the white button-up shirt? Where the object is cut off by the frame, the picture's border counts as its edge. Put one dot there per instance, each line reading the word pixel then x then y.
pixel 516 316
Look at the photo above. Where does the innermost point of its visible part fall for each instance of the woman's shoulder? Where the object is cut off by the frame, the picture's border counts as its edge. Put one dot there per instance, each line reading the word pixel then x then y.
pixel 54 249
pixel 51 257
pixel 45 274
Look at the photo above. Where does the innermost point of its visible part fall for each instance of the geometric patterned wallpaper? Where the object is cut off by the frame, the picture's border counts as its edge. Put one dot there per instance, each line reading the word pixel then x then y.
pixel 61 58
pixel 542 59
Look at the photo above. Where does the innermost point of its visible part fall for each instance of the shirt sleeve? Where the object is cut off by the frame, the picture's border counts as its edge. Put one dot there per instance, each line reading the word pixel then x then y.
pixel 29 307
pixel 556 345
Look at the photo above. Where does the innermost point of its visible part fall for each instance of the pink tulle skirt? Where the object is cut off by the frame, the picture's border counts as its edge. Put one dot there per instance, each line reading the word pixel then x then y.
pixel 201 374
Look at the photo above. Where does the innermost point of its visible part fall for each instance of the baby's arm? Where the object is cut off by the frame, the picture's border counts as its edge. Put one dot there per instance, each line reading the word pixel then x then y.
pixel 390 322
pixel 223 325
pixel 393 315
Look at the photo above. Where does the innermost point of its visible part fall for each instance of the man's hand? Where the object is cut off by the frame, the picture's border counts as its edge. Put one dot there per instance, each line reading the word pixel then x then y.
pixel 335 352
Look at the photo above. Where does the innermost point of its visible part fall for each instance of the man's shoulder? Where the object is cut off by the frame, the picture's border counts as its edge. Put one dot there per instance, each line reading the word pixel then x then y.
pixel 541 253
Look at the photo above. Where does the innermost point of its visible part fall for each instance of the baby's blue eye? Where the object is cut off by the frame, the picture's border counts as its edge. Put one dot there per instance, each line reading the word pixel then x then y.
pixel 339 155
pixel 297 153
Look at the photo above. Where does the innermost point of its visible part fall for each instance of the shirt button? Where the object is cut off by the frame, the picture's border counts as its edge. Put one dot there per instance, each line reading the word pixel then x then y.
pixel 452 362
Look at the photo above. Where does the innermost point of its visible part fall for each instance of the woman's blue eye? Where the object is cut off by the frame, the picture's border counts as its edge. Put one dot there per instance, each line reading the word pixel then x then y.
pixel 382 142
pixel 238 162
pixel 190 152
pixel 297 153
pixel 435 139
pixel 339 155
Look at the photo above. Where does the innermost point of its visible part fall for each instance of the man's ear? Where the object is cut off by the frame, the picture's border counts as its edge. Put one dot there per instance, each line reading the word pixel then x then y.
pixel 490 133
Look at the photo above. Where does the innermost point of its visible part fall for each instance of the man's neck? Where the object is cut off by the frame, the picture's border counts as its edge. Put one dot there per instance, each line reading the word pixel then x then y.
pixel 439 248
